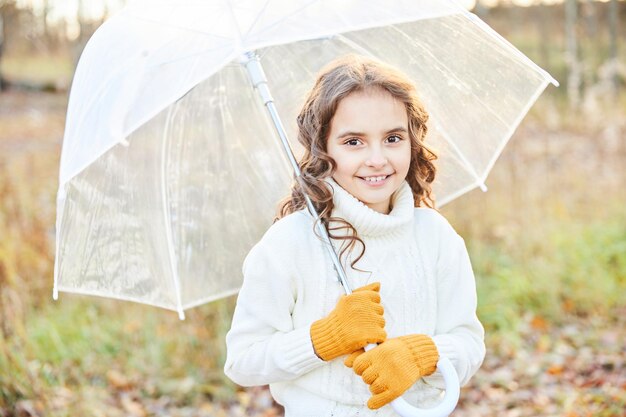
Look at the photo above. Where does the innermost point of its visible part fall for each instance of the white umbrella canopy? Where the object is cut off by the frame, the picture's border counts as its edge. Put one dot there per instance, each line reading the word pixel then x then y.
pixel 170 169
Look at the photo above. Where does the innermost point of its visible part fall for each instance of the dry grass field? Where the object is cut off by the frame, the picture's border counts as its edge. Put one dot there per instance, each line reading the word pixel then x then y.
pixel 548 244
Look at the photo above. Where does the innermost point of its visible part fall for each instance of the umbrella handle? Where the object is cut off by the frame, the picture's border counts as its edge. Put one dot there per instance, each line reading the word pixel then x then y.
pixel 445 407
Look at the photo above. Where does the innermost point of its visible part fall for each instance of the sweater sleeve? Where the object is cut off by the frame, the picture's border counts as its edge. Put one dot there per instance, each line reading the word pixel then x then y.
pixel 262 345
pixel 459 335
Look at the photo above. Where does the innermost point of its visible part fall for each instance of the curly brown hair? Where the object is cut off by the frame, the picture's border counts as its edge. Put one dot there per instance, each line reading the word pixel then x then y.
pixel 338 79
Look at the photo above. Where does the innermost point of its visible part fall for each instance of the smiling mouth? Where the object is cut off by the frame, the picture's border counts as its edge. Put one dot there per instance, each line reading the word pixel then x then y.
pixel 376 179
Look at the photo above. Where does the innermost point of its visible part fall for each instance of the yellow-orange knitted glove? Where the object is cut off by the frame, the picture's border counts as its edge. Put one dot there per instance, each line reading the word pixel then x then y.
pixel 356 321
pixel 394 366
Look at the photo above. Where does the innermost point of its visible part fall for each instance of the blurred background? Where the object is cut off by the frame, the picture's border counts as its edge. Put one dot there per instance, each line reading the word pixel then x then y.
pixel 547 241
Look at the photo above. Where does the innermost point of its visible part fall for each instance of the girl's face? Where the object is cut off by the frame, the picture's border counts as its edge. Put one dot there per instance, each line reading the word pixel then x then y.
pixel 369 141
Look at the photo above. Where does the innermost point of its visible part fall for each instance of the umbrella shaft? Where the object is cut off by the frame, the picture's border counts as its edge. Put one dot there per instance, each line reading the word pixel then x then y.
pixel 255 71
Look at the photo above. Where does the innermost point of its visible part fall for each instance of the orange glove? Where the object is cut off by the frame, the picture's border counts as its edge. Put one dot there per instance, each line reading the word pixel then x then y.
pixel 393 366
pixel 356 321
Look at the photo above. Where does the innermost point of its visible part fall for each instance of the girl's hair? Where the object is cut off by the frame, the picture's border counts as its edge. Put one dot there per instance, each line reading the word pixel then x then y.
pixel 338 79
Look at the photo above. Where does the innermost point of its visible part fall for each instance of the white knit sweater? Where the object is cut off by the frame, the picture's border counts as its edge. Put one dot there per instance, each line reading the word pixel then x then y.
pixel 427 287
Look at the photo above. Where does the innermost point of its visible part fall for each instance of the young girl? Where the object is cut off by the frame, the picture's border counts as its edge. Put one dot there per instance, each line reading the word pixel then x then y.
pixel 368 172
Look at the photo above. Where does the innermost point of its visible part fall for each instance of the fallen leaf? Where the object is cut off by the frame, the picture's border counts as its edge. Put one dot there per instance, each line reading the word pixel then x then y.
pixel 555 369
pixel 117 380
pixel 133 407
pixel 539 323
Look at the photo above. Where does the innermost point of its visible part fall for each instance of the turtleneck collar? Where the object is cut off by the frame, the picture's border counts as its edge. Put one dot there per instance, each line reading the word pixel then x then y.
pixel 368 222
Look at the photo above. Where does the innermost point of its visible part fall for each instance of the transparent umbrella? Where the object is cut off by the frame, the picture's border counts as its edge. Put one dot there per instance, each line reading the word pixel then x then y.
pixel 170 169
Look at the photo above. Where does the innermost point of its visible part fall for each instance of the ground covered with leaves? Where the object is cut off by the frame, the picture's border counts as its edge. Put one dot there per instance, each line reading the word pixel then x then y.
pixel 577 369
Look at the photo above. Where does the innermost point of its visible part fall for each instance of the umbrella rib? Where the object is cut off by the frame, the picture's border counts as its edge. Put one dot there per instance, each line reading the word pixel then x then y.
pixel 115 296
pixel 182 58
pixel 226 120
pixel 265 29
pixel 102 87
pixel 466 163
pixel 301 66
pixel 182 28
pixel 457 194
pixel 239 40
pixel 91 230
pixel 516 123
pixel 210 298
pixel 166 213
pixel 172 40
pixel 258 17
pixel 498 152
pixel 354 45
pixel 487 29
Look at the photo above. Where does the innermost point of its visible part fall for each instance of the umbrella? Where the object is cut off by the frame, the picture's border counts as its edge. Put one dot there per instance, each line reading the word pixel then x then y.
pixel 169 168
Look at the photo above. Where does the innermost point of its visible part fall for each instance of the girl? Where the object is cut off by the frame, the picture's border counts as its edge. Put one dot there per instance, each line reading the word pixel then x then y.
pixel 368 172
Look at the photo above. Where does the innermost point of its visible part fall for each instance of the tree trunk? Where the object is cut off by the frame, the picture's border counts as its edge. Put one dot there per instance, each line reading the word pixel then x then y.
pixel 44 18
pixel 590 11
pixel 481 10
pixel 571 54
pixel 2 38
pixel 80 41
pixel 613 19
pixel 544 35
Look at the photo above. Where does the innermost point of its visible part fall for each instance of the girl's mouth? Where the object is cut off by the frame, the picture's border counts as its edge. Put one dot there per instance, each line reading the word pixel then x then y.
pixel 375 181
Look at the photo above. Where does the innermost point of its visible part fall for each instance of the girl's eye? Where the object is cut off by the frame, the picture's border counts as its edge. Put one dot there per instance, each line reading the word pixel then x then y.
pixel 394 138
pixel 352 142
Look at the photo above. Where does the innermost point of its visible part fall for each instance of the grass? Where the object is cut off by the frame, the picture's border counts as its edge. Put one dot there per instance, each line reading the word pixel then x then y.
pixel 53 70
pixel 565 268
pixel 548 261
pixel 83 343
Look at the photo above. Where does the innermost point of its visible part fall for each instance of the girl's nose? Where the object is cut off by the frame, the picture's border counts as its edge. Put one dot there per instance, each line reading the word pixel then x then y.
pixel 376 159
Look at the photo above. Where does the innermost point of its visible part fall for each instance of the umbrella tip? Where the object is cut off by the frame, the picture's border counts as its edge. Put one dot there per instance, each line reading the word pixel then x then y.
pixel 181 314
pixel 55 294
pixel 483 187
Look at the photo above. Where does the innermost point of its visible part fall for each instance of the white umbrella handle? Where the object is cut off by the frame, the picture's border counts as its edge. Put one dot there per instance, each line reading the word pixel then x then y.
pixel 445 407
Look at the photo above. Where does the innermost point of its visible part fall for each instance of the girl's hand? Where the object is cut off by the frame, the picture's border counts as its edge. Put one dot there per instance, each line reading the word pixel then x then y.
pixel 356 321
pixel 394 366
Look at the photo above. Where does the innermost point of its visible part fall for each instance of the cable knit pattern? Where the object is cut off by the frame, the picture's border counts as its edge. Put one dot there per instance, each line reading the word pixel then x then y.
pixel 427 287
pixel 370 223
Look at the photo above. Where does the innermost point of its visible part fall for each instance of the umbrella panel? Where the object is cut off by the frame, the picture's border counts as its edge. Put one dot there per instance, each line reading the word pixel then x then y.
pixel 176 211
pixel 168 219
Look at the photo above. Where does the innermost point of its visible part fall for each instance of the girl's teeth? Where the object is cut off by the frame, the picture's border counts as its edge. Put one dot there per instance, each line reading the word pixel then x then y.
pixel 375 179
